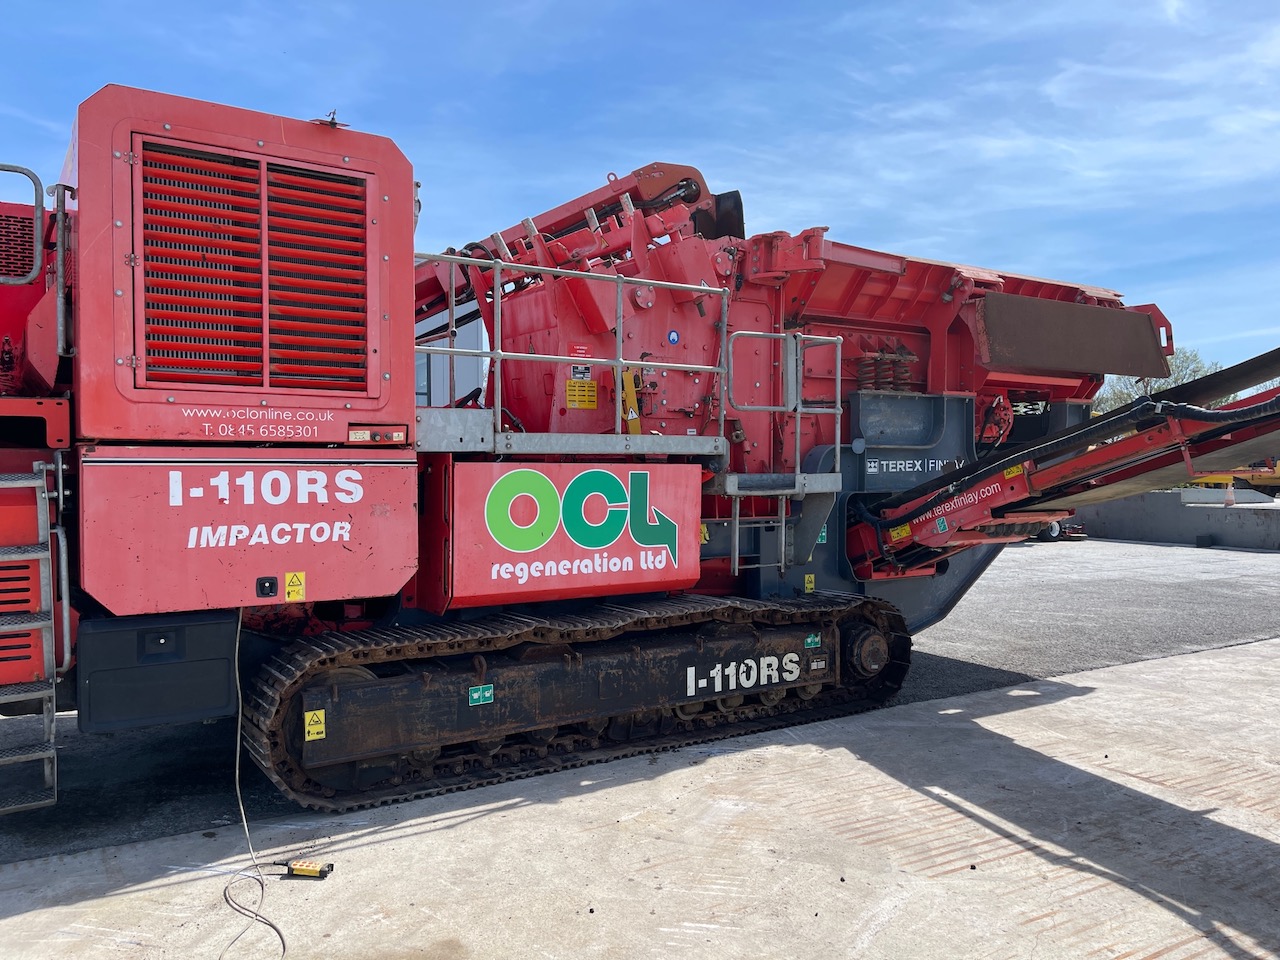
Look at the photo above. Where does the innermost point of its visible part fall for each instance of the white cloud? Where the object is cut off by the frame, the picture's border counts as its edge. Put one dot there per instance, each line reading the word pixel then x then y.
pixel 40 123
pixel 1130 145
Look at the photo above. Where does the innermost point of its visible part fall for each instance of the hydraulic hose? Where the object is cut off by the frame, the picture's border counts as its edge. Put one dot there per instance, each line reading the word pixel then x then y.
pixel 686 191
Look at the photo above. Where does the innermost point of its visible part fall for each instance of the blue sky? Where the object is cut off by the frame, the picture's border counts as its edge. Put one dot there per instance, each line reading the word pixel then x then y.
pixel 1133 144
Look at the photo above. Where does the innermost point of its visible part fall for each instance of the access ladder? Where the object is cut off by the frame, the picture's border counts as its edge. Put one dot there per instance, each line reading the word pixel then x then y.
pixel 28 673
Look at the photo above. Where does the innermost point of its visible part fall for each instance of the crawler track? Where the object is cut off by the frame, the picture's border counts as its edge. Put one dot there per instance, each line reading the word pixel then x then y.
pixel 269 699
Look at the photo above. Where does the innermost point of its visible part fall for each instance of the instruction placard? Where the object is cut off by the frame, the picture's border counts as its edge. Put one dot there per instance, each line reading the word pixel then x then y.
pixel 580 394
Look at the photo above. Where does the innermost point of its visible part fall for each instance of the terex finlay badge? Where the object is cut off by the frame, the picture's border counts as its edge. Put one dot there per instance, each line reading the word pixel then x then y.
pixel 551 530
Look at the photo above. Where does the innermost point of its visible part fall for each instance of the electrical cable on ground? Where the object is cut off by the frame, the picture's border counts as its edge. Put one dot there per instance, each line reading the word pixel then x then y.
pixel 254 913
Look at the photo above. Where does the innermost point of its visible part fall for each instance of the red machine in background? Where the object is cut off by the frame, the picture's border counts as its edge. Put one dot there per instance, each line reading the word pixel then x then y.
pixel 612 476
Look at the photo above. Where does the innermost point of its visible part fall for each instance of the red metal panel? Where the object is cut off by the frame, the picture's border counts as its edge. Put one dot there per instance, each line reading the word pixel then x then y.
pixel 237 267
pixel 19 519
pixel 56 415
pixel 194 529
pixel 21 650
pixel 19 586
pixel 545 531
pixel 39 370
pixel 21 656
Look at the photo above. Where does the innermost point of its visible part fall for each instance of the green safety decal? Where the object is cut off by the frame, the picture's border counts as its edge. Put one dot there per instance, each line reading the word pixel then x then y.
pixel 479 696
pixel 811 641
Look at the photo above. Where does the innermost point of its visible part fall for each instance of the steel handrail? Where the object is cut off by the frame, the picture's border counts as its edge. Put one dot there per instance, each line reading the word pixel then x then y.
pixel 792 378
pixel 618 363
pixel 37 225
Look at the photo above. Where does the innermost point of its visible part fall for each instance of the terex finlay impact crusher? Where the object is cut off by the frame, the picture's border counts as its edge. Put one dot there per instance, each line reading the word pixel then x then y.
pixel 666 481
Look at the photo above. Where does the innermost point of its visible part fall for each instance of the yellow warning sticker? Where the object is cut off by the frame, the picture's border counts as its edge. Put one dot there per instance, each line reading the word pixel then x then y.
pixel 809 583
pixel 704 535
pixel 580 394
pixel 1011 472
pixel 900 532
pixel 313 726
pixel 295 590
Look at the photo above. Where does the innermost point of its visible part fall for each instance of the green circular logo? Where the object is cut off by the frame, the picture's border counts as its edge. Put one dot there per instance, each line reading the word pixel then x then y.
pixel 504 494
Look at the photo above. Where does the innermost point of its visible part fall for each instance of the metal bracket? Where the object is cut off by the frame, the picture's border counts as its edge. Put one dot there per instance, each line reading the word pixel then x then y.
pixel 59 477
pixel 805 532
pixel 1176 431
pixel 60 192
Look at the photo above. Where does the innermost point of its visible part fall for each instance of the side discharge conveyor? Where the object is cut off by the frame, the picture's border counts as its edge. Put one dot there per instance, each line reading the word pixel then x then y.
pixel 1145 445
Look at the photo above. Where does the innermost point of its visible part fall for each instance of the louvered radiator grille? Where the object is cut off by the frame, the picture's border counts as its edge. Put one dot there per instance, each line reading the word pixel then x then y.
pixel 16 254
pixel 214 228
pixel 316 252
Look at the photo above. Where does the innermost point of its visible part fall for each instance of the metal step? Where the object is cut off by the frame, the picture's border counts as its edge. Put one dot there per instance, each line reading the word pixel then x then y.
pixel 35 551
pixel 10 480
pixel 26 621
pixel 27 751
pixel 780 484
pixel 35 690
pixel 29 799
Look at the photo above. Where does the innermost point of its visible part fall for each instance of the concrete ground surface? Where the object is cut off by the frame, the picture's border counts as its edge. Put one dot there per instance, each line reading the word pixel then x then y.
pixel 1042 610
pixel 1125 812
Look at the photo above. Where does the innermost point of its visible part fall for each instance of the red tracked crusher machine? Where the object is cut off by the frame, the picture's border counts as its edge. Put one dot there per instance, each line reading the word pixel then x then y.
pixel 614 475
